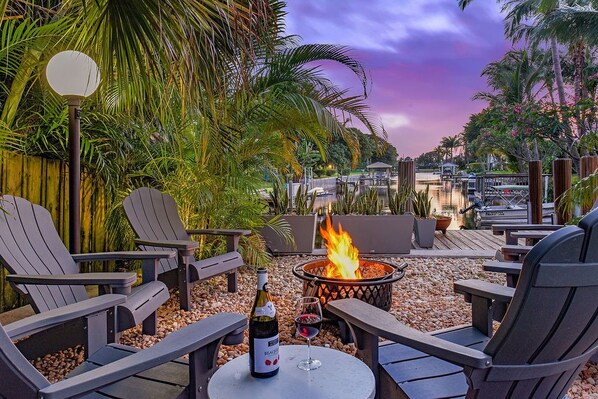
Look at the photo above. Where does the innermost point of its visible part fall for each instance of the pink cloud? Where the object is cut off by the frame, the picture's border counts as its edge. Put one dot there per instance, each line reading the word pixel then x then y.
pixel 425 74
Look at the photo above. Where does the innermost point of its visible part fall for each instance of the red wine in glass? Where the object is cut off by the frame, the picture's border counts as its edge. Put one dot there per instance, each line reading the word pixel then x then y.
pixel 308 319
pixel 308 325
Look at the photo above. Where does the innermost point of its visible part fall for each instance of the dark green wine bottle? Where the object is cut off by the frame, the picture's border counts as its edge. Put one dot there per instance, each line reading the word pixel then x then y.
pixel 263 332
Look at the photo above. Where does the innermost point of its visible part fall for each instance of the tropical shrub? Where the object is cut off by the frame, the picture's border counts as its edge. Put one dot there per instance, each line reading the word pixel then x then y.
pixel 398 201
pixel 422 203
pixel 368 203
pixel 304 203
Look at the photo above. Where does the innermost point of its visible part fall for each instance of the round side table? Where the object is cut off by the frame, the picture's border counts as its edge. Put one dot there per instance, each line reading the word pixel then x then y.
pixel 340 376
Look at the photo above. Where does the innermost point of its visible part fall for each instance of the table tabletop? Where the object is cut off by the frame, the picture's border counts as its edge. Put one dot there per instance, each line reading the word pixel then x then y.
pixel 340 376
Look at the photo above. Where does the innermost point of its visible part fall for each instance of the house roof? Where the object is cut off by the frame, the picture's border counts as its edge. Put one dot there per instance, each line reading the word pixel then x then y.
pixel 379 165
pixel 449 164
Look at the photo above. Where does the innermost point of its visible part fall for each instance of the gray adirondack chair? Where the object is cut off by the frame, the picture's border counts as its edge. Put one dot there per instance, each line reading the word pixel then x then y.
pixel 118 371
pixel 155 220
pixel 549 332
pixel 43 270
pixel 511 264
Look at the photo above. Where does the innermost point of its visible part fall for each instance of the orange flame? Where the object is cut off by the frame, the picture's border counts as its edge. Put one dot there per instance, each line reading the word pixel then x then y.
pixel 343 256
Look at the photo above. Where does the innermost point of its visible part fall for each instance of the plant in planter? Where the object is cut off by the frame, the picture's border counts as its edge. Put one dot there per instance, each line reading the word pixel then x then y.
pixel 372 232
pixel 369 203
pixel 304 203
pixel 346 203
pixel 398 202
pixel 424 225
pixel 300 225
pixel 279 198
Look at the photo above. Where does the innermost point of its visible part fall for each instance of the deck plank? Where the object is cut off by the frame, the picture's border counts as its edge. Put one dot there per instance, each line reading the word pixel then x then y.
pixel 484 239
pixel 463 242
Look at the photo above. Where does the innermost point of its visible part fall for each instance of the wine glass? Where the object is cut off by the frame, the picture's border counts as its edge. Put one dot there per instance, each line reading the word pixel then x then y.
pixel 308 319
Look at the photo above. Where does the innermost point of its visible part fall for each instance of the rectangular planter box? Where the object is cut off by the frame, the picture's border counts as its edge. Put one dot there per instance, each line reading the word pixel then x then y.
pixel 303 229
pixel 378 234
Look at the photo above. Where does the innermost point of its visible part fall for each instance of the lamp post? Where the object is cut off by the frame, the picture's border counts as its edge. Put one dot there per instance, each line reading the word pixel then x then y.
pixel 74 76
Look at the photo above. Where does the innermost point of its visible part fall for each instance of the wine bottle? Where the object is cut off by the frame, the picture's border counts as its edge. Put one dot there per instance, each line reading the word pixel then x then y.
pixel 263 332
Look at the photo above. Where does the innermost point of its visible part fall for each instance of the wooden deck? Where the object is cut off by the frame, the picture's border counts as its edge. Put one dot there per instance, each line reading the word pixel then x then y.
pixel 455 244
pixel 462 244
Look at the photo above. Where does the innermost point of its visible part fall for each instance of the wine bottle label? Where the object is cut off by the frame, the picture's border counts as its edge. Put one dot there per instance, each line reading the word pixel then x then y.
pixel 266 310
pixel 266 354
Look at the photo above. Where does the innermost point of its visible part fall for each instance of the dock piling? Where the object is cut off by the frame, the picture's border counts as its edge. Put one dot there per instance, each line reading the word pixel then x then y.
pixel 535 191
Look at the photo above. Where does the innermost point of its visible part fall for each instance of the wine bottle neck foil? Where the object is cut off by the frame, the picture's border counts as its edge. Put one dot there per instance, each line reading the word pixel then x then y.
pixel 262 280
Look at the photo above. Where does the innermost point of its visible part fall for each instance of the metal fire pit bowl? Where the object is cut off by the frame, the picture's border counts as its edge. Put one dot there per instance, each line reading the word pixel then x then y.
pixel 375 288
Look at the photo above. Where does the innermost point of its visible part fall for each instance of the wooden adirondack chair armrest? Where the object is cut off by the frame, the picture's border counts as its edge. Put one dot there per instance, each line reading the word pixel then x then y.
pixel 188 340
pixel 121 283
pixel 220 232
pixel 124 255
pixel 55 317
pixel 369 320
pixel 509 229
pixel 499 229
pixel 489 302
pixel 515 252
pixel 502 267
pixel 483 289
pixel 184 247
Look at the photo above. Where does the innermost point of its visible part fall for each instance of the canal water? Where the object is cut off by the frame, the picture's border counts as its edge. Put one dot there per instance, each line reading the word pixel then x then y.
pixel 448 198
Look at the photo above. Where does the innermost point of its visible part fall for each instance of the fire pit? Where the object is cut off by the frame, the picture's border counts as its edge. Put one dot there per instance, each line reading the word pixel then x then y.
pixel 344 275
pixel 375 286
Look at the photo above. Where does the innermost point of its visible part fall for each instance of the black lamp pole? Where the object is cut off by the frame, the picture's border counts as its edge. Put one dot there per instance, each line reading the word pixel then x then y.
pixel 74 175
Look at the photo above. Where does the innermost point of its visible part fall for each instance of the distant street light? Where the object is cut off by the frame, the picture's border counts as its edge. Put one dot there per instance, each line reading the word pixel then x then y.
pixel 74 76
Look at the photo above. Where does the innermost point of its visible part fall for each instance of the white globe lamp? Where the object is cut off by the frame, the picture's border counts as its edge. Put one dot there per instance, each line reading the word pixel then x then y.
pixel 74 76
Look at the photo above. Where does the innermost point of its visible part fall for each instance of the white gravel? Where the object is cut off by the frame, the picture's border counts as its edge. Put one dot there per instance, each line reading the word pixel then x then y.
pixel 423 299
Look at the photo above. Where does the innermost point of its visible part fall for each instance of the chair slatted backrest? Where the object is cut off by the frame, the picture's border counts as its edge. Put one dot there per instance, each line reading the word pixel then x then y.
pixel 551 326
pixel 30 245
pixel 19 378
pixel 154 216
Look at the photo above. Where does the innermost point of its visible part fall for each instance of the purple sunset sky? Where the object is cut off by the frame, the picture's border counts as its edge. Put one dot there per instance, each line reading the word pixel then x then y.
pixel 424 59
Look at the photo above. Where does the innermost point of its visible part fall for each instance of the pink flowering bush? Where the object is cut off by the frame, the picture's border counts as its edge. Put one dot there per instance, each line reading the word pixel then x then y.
pixel 541 129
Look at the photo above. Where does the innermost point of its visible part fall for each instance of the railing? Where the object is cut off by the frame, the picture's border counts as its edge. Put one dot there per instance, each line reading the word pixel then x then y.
pixel 485 183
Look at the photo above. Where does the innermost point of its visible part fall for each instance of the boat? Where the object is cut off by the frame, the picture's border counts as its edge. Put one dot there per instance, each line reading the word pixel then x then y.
pixel 486 216
pixel 320 192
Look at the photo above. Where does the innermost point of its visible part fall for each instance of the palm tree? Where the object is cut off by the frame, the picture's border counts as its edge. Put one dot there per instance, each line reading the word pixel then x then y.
pixel 519 14
pixel 199 99
pixel 519 77
pixel 441 152
pixel 210 168
pixel 141 47
pixel 556 26
pixel 449 144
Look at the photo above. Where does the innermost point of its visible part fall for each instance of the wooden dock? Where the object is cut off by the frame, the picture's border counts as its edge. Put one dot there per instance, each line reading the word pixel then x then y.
pixel 461 244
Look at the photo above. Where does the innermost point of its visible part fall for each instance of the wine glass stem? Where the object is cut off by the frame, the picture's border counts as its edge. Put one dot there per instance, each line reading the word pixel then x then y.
pixel 309 351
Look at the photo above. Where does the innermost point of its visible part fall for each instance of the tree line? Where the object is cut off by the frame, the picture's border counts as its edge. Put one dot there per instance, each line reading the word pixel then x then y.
pixel 541 101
